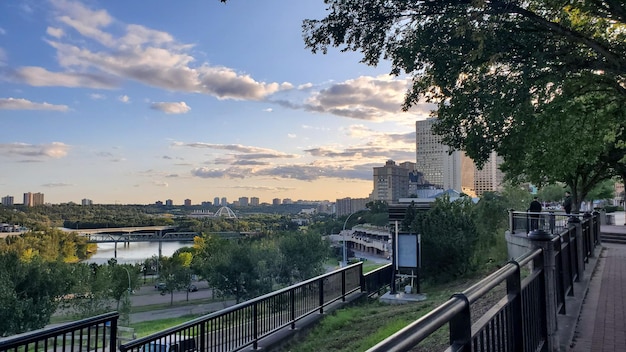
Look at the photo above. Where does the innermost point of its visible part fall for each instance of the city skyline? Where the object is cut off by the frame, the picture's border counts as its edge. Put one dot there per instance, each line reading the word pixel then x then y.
pixel 121 103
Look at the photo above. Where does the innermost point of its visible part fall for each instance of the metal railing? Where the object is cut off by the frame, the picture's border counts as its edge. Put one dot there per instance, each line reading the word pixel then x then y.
pixel 93 334
pixel 245 324
pixel 229 329
pixel 552 222
pixel 524 318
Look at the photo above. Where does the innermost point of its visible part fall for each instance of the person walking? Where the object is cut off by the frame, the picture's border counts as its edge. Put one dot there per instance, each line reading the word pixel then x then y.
pixel 534 209
pixel 567 203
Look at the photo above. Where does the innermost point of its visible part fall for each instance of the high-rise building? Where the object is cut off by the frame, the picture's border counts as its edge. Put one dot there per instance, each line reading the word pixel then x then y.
pixel 224 202
pixel 287 201
pixel 187 202
pixel 438 166
pixel 391 182
pixel 7 201
pixel 276 201
pixel 455 170
pixel 254 201
pixel 33 199
pixel 216 201
pixel 347 206
pixel 490 177
pixel 169 202
pixel 243 201
pixel 86 201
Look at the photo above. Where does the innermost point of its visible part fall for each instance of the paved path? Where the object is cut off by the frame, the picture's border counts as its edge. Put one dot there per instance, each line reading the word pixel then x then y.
pixel 602 323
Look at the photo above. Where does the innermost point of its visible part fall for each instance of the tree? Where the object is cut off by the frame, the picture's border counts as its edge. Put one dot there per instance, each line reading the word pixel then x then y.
pixel 30 292
pixel 551 193
pixel 449 239
pixel 174 275
pixel 495 67
pixel 581 155
pixel 302 255
pixel 90 295
pixel 486 64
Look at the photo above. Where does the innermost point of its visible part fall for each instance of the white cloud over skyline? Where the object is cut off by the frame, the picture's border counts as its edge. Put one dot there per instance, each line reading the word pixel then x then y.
pixel 257 108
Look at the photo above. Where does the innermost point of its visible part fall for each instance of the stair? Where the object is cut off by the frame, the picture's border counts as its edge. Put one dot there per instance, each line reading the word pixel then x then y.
pixel 619 238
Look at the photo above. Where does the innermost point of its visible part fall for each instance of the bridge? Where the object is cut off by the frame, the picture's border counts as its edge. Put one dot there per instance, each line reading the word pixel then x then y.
pixel 551 302
pixel 127 235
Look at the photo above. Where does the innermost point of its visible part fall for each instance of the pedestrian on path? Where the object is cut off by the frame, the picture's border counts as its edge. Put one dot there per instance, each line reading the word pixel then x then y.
pixel 534 209
pixel 567 203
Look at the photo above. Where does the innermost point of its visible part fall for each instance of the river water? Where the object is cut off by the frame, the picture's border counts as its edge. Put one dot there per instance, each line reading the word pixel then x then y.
pixel 135 252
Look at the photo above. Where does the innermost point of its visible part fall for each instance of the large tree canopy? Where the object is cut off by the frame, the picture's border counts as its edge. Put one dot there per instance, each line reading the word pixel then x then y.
pixel 488 65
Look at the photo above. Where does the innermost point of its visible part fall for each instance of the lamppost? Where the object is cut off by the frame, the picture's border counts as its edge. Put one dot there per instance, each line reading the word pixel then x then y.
pixel 344 262
pixel 125 316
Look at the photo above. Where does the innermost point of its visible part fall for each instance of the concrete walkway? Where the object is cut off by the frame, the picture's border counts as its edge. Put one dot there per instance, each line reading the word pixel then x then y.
pixel 601 324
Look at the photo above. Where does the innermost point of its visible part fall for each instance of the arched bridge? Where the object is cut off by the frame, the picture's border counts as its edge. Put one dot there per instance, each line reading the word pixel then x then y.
pixel 143 234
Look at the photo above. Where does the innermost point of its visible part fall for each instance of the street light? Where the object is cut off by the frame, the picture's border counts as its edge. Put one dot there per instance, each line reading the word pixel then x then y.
pixel 344 262
pixel 128 273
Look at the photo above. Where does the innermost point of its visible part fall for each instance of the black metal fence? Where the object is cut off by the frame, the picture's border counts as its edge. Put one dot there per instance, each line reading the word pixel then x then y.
pixel 229 329
pixel 93 334
pixel 244 324
pixel 524 318
pixel 552 222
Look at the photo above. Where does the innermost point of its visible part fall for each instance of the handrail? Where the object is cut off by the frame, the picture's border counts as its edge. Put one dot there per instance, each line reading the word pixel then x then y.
pixel 40 337
pixel 244 324
pixel 526 315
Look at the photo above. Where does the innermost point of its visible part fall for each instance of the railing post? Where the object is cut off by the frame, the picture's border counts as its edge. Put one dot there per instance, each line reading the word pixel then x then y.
pixel 292 299
pixel 514 289
pixel 343 285
pixel 511 221
pixel 543 240
pixel 113 327
pixel 461 327
pixel 255 326
pixel 580 260
pixel 321 295
pixel 596 233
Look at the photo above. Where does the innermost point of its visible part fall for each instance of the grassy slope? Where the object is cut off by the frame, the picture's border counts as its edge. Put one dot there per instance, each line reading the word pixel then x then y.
pixel 368 322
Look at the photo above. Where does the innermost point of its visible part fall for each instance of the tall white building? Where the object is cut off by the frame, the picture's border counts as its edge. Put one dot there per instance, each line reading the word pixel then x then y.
pixel 454 170
pixel 391 182
pixel 490 178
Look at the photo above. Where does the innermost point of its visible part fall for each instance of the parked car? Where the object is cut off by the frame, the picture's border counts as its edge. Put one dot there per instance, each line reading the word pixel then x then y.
pixel 192 288
pixel 175 344
pixel 160 286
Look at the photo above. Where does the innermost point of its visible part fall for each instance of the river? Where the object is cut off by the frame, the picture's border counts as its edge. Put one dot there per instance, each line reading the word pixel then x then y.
pixel 135 252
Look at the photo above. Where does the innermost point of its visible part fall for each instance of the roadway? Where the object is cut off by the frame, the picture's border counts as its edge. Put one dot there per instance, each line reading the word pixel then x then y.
pixel 148 295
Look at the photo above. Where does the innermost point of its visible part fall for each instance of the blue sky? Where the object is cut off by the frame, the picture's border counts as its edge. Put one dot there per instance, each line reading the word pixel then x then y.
pixel 131 102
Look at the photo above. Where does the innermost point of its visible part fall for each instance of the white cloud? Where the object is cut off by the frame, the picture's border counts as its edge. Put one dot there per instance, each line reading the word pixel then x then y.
pixel 124 98
pixel 171 107
pixel 23 104
pixel 96 96
pixel 55 32
pixel 291 135
pixel 160 183
pixel 2 31
pixel 53 150
pixel 57 185
pixel 40 77
pixel 146 55
pixel 250 152
pixel 367 98
pixel 268 110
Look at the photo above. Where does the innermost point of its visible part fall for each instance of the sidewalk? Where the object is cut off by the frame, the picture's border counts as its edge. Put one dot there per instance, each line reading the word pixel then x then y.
pixel 602 322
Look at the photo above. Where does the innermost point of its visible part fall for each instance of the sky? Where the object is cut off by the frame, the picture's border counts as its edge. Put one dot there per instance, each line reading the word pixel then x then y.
pixel 132 102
